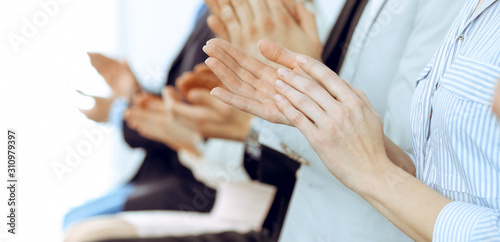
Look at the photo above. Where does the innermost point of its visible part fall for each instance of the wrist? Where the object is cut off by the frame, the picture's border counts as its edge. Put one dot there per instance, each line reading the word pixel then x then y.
pixel 372 182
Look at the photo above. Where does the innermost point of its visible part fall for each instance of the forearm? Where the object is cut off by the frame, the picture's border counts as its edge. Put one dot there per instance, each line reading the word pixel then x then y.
pixel 408 203
pixel 399 157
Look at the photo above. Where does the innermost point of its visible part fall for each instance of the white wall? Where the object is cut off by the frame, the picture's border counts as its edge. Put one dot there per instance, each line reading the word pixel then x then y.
pixel 38 79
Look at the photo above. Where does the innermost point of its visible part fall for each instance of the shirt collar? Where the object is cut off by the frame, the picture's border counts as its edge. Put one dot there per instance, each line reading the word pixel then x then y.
pixel 481 9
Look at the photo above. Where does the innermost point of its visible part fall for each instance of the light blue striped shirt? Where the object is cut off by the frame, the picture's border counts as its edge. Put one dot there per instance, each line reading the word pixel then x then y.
pixel 456 137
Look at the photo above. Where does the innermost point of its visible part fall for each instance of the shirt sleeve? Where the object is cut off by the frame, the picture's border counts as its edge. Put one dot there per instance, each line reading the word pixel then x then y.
pixel 460 221
pixel 429 29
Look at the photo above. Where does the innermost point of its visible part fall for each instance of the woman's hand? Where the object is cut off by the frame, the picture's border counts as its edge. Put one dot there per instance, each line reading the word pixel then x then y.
pixel 245 22
pixel 338 120
pixel 117 75
pixel 205 113
pixel 152 117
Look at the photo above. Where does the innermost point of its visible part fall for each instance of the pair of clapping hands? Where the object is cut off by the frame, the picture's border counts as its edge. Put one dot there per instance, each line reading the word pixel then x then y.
pixel 169 120
pixel 278 84
pixel 265 79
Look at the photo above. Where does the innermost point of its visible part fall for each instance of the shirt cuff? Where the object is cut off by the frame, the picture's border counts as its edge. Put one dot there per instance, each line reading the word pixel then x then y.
pixel 459 221
pixel 116 112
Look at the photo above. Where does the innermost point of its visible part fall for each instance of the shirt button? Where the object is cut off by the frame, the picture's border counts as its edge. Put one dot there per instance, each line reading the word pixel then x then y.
pixel 461 38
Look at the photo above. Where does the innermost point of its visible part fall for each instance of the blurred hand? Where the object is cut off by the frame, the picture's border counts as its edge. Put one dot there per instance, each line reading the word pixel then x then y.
pixel 200 77
pixel 99 112
pixel 244 23
pixel 152 117
pixel 205 113
pixel 211 117
pixel 118 75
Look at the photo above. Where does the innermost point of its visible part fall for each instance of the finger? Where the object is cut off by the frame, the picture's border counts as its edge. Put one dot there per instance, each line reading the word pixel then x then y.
pixel 279 12
pixel 140 99
pixel 155 104
pixel 218 27
pixel 170 96
pixel 190 80
pixel 214 6
pixel 202 67
pixel 302 102
pixel 296 118
pixel 260 9
pixel 291 7
pixel 134 117
pixel 246 104
pixel 322 74
pixel 307 21
pixel 232 64
pixel 203 97
pixel 362 96
pixel 311 88
pixel 195 113
pixel 230 20
pixel 245 62
pixel 231 80
pixel 243 12
pixel 278 54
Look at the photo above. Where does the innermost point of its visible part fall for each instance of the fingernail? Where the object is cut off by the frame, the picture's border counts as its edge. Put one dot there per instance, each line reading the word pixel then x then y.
pixel 208 41
pixel 302 59
pixel 204 48
pixel 212 92
pixel 279 98
pixel 282 72
pixel 280 84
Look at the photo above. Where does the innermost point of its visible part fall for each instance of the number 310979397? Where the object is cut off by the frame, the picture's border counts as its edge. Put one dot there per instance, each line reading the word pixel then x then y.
pixel 11 153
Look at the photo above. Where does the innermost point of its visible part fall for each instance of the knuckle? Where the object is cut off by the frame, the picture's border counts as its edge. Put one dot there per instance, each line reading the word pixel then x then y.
pixel 227 14
pixel 356 104
pixel 310 86
pixel 303 100
pixel 237 3
pixel 297 119
pixel 283 19
pixel 267 24
pixel 343 114
pixel 252 30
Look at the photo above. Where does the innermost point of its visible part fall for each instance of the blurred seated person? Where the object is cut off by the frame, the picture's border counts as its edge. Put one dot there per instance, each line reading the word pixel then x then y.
pixel 161 182
pixel 223 122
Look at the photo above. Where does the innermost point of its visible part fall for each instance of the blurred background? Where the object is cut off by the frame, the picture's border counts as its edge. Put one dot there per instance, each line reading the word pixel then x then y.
pixel 43 61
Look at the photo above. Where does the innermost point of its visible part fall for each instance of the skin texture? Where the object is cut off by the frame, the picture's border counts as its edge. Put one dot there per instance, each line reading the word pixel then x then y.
pixel 244 23
pixel 201 77
pixel 117 74
pixel 206 114
pixel 152 118
pixel 338 121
